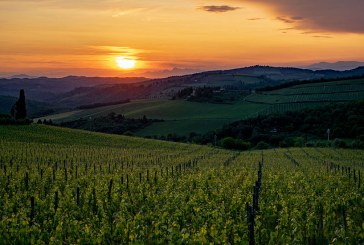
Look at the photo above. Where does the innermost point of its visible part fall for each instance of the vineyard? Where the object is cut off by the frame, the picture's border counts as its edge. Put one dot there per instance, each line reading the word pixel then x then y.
pixel 69 186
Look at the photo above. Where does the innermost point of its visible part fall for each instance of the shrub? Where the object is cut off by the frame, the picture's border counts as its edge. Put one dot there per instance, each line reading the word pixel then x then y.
pixel 228 143
pixel 322 144
pixel 262 145
pixel 299 141
pixel 231 143
pixel 339 143
pixel 357 144
pixel 242 145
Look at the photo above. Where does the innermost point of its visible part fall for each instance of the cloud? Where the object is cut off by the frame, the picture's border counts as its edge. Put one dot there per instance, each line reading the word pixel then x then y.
pixel 323 15
pixel 218 9
pixel 255 19
pixel 321 36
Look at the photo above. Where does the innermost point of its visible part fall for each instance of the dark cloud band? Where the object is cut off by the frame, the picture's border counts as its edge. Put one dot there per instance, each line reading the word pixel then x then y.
pixel 323 15
pixel 218 9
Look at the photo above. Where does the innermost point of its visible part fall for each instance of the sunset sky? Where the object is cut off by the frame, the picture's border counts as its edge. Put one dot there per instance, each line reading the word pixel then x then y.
pixel 93 37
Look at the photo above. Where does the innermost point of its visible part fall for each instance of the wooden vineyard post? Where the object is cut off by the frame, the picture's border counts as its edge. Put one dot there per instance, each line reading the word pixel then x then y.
pixel 55 201
pixel 250 220
pixel 26 181
pixel 78 196
pixel 358 178
pixel 32 211
pixel 110 189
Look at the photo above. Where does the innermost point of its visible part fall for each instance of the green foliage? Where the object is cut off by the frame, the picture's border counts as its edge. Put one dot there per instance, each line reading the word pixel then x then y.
pixel 93 188
pixel 19 111
pixel 339 143
pixel 292 128
pixel 228 143
pixel 112 123
pixel 262 145
pixel 8 120
pixel 235 144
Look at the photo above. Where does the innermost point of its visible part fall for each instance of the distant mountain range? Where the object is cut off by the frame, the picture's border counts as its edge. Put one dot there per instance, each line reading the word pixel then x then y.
pixel 72 91
pixel 45 89
pixel 338 66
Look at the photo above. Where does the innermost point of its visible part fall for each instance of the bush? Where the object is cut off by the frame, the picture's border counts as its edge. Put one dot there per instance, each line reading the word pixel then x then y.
pixel 228 143
pixel 231 143
pixel 262 145
pixel 275 140
pixel 299 142
pixel 128 133
pixel 357 144
pixel 338 143
pixel 322 144
pixel 287 142
pixel 242 145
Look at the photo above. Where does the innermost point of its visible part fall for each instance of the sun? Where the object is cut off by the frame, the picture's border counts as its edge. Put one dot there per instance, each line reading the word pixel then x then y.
pixel 125 63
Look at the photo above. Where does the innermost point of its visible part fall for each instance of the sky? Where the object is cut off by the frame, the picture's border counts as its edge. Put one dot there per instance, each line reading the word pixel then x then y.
pixel 57 38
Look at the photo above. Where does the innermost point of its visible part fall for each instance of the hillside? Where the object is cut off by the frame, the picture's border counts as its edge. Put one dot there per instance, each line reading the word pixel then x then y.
pixel 72 186
pixel 338 66
pixel 74 91
pixel 182 117
pixel 45 89
pixel 242 78
pixel 34 108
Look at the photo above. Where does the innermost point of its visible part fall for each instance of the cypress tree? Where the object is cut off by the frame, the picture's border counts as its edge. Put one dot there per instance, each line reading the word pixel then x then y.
pixel 18 111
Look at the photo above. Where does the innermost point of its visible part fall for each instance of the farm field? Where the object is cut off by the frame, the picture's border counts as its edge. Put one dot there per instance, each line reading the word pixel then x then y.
pixel 71 186
pixel 337 91
pixel 183 117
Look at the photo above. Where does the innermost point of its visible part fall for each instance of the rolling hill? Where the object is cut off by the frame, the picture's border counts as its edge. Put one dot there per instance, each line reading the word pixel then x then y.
pixel 72 92
pixel 45 89
pixel 338 66
pixel 34 108
pixel 242 78
pixel 182 117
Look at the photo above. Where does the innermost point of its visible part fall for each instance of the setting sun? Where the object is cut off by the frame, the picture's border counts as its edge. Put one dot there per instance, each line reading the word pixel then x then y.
pixel 125 63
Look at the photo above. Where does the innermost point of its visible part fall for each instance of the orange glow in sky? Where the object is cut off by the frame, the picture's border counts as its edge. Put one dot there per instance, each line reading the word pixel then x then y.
pixel 146 38
pixel 125 62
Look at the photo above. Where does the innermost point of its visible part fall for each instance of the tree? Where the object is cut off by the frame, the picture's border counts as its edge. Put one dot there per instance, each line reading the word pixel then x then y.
pixel 19 111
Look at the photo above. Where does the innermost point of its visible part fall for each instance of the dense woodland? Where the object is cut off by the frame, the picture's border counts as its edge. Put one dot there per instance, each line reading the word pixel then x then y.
pixel 295 128
pixel 343 120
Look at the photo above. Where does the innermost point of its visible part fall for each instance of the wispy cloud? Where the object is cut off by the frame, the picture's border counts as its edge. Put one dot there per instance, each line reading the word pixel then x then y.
pixel 289 20
pixel 218 9
pixel 255 19
pixel 115 50
pixel 121 13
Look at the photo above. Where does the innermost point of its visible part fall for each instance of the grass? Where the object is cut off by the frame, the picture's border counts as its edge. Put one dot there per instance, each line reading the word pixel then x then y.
pixel 338 91
pixel 183 117
pixel 63 136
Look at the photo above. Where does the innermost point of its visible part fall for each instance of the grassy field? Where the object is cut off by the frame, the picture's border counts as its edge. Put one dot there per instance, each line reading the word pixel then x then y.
pixel 180 116
pixel 338 91
pixel 183 117
pixel 70 186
